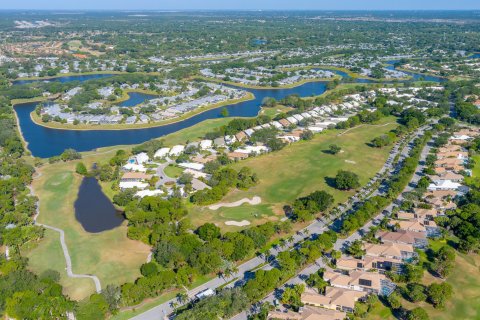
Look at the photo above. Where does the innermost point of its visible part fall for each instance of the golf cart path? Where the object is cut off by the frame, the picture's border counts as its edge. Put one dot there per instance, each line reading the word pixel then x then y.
pixel 68 259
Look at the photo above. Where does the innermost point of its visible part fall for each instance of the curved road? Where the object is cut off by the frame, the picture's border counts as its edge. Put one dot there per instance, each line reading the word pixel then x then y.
pixel 68 259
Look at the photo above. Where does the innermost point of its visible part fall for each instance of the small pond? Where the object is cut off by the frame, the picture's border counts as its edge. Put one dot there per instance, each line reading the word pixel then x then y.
pixel 94 210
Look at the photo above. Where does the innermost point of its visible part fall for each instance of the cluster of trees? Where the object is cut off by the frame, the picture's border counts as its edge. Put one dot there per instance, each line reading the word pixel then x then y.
pixel 268 137
pixel 67 155
pixel 383 140
pixel 222 181
pixel 465 221
pixel 361 117
pixel 181 256
pixel 288 263
pixel 237 125
pixel 23 295
pixel 346 180
pixel 395 186
pixel 305 208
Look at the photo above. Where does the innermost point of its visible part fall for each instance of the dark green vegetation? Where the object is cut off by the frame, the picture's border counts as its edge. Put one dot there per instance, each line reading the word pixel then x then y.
pixel 24 295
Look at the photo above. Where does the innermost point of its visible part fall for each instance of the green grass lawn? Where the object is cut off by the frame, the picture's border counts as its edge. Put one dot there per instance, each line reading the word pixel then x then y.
pixel 110 255
pixel 475 171
pixel 173 171
pixel 300 169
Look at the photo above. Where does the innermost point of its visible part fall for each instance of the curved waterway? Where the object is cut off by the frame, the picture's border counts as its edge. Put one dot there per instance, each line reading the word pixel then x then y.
pixel 46 142
pixel 94 210
pixel 64 79
pixel 135 98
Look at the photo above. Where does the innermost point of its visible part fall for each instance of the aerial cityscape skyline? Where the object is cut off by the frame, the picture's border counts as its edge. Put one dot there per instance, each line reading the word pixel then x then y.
pixel 240 160
pixel 242 5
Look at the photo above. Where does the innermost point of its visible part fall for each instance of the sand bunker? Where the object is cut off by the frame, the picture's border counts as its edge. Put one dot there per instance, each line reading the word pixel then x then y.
pixel 254 201
pixel 242 223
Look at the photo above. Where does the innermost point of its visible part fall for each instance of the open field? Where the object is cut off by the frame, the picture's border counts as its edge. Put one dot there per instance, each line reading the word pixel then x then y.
pixel 300 169
pixel 110 255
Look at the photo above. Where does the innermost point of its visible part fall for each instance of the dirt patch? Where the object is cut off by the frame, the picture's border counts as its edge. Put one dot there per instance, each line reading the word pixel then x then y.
pixel 350 161
pixel 254 201
pixel 242 223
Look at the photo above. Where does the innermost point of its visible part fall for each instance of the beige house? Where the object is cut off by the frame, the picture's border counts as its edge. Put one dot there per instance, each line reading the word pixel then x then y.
pixel 334 298
pixel 308 313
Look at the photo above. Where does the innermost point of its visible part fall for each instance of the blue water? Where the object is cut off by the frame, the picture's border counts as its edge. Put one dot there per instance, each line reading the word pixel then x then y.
pixel 259 42
pixel 46 142
pixel 416 76
pixel 136 98
pixel 80 78
pixel 475 56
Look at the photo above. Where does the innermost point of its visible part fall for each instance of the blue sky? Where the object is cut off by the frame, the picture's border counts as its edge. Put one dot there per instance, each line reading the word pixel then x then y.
pixel 243 4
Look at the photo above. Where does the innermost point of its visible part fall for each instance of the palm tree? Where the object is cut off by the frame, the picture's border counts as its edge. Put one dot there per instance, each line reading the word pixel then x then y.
pixel 230 271
pixel 290 239
pixel 182 297
pixel 173 305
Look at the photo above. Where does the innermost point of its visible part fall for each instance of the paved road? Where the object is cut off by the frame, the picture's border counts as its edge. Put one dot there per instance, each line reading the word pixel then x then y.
pixel 163 178
pixel 341 243
pixel 317 227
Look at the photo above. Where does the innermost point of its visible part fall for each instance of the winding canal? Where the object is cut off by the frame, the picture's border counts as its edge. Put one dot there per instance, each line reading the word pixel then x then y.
pixel 46 142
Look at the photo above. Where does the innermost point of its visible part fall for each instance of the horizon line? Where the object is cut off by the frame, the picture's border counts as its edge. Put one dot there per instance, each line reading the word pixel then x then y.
pixel 236 10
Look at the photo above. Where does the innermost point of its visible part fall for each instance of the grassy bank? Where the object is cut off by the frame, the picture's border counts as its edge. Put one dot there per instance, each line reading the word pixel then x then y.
pixel 247 86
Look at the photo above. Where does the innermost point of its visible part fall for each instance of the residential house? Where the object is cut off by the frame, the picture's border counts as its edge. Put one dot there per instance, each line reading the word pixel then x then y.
pixel 307 313
pixel 416 239
pixel 390 250
pixel 334 298
pixel 371 282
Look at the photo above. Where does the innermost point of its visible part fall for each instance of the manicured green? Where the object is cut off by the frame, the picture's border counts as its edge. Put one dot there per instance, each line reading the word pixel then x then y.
pixel 173 171
pixel 301 168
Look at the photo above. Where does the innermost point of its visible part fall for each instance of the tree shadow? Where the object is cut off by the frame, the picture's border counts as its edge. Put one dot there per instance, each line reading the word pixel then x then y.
pixel 330 182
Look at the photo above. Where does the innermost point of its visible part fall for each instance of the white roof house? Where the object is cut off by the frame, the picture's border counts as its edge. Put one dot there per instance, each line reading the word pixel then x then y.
pixel 316 129
pixel 276 124
pixel 176 150
pixel 148 193
pixel 133 184
pixel 292 120
pixel 161 153
pixel 141 158
pixel 444 185
pixel 196 174
pixel 461 137
pixel 298 117
pixel 191 165
pixel 230 139
pixel 249 132
pixel 206 144
pixel 252 149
